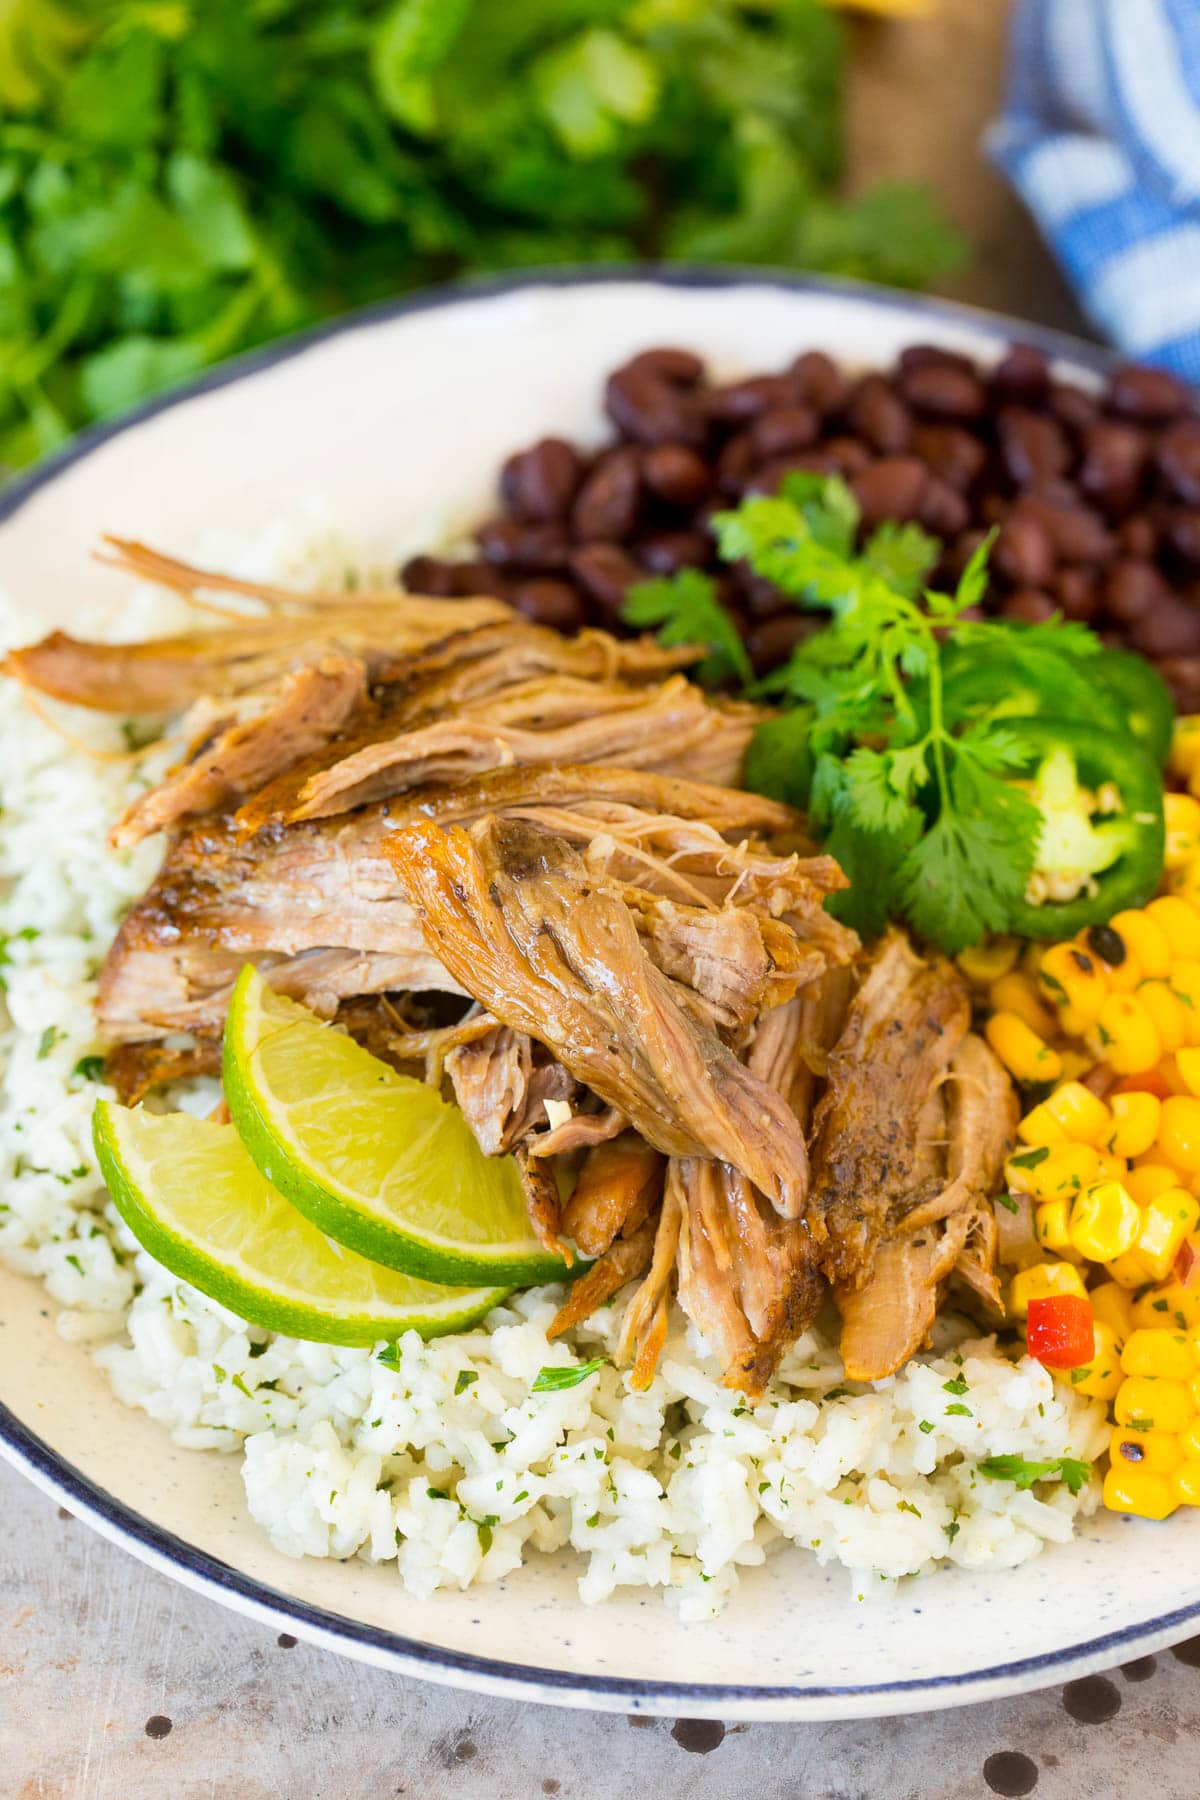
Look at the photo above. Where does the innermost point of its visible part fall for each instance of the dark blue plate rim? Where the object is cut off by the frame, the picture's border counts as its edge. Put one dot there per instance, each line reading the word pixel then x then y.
pixel 208 1573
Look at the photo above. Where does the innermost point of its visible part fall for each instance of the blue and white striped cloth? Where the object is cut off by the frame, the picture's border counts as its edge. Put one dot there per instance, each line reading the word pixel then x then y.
pixel 1100 135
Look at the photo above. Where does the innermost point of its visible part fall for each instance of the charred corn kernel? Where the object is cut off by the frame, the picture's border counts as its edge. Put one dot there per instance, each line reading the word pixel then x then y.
pixel 1167 1011
pixel 1105 1221
pixel 1170 1304
pixel 1145 938
pixel 1058 1175
pixel 1155 1452
pixel 1040 1282
pixel 1074 979
pixel 984 963
pixel 1134 1123
pixel 1132 1490
pixel 1168 1354
pixel 1152 1179
pixel 1179 921
pixel 1128 1034
pixel 1052 1228
pixel 1184 981
pixel 1151 1404
pixel 1040 1129
pixel 1100 1378
pixel 1182 815
pixel 1111 1307
pixel 1185 745
pixel 1084 1118
pixel 1185 1481
pixel 1178 1138
pixel 1017 994
pixel 1024 1054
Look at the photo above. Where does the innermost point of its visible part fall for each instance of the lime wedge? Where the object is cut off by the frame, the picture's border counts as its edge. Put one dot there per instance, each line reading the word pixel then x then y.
pixel 375 1159
pixel 190 1194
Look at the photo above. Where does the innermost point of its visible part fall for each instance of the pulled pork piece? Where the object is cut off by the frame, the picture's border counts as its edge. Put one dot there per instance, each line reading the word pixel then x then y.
pixel 165 675
pixel 628 1258
pixel 501 1082
pixel 904 1026
pixel 952 1231
pixel 542 1203
pixel 648 1315
pixel 136 1069
pixel 619 1184
pixel 672 728
pixel 238 752
pixel 516 918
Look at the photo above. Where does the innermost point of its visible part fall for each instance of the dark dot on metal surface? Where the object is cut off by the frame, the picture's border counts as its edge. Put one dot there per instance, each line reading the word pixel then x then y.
pixel 1009 1773
pixel 64 1514
pixel 286 1641
pixel 1140 1669
pixel 464 1751
pixel 698 1735
pixel 158 1726
pixel 1188 1652
pixel 1092 1700
pixel 639 1721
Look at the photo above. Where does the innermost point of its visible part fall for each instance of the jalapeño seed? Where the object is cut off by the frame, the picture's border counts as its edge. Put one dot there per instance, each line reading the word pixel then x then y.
pixel 1108 945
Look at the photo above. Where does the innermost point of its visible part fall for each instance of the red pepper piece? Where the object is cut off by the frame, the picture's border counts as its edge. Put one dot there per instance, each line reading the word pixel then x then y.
pixel 1185 1264
pixel 1061 1331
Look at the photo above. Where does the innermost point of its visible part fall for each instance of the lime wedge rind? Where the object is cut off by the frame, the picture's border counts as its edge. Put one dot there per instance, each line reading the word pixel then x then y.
pixel 351 1213
pixel 174 1235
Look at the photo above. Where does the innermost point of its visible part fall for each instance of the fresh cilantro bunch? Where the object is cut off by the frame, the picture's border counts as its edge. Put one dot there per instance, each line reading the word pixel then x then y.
pixel 181 179
pixel 908 779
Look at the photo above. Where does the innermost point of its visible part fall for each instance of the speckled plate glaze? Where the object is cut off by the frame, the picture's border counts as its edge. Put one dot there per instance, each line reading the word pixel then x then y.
pixel 396 421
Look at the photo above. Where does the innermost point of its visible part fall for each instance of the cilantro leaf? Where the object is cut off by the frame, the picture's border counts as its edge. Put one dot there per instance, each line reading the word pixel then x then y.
pixel 779 762
pixel 903 555
pixel 1070 1470
pixel 554 1378
pixel 684 609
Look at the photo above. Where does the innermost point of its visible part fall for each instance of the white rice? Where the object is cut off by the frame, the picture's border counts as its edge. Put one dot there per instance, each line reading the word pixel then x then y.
pixel 448 1465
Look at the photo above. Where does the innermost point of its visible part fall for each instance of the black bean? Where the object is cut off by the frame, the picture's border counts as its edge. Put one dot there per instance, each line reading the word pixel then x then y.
pixel 1132 589
pixel 1178 458
pixel 550 602
pixel 933 356
pixel 1078 534
pixel 1029 605
pixel 739 401
pixel 957 456
pixel 1152 396
pixel 771 641
pixel 539 484
pixel 1073 406
pixel 781 429
pixel 849 454
pixel 1023 553
pixel 891 489
pixel 654 398
pixel 428 575
pixel 1022 375
pixel 508 544
pixel 942 509
pixel 1170 628
pixel 675 474
pixel 608 504
pixel 1183 535
pixel 471 578
pixel 875 414
pixel 666 551
pixel 940 390
pixel 1078 594
pixel 1112 461
pixel 607 571
pixel 817 381
pixel 1032 447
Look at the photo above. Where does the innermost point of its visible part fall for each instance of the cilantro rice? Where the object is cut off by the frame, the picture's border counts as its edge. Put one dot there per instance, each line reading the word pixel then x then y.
pixel 448 1464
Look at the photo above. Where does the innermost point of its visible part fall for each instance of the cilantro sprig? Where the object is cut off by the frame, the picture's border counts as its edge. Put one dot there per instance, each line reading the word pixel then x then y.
pixel 1072 1471
pixel 906 774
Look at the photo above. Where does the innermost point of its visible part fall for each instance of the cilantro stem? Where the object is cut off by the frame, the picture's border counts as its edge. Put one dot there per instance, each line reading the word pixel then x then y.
pixel 937 728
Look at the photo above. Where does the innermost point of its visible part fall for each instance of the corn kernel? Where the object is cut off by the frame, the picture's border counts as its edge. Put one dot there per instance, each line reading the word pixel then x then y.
pixel 1188 1063
pixel 1168 1305
pixel 1128 1034
pixel 1179 921
pixel 1184 980
pixel 1168 1220
pixel 1169 1079
pixel 1024 1054
pixel 1155 1452
pixel 1167 1011
pixel 1164 1353
pixel 984 963
pixel 1084 1118
pixel 1151 1404
pixel 1124 976
pixel 1040 1128
pixel 1150 1180
pixel 1111 1307
pixel 1184 754
pixel 1189 1442
pixel 1075 981
pixel 1146 938
pixel 1184 882
pixel 1130 1490
pixel 1016 994
pixel 1052 1227
pixel 1179 1133
pixel 1054 1174
pixel 1040 1282
pixel 1100 1378
pixel 1105 1221
pixel 1185 1482
pixel 1134 1124
pixel 1182 814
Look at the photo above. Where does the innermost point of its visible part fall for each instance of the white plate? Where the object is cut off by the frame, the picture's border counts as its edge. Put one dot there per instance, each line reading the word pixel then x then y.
pixel 396 421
